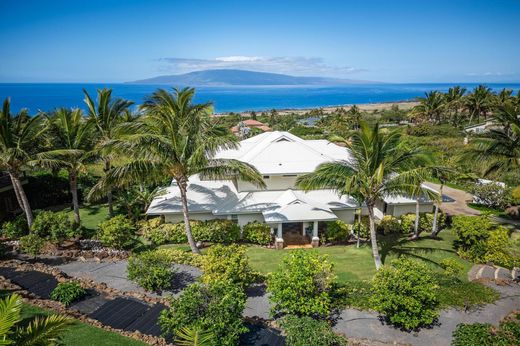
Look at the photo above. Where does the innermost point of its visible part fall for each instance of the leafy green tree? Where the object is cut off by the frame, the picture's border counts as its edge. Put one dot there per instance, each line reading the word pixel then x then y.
pixel 479 102
pixel 21 139
pixel 379 166
pixel 175 138
pixel 454 99
pixel 106 114
pixel 72 144
pixel 430 107
pixel 40 331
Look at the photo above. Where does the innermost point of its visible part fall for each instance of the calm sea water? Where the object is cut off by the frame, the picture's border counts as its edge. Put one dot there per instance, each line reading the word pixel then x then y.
pixel 226 99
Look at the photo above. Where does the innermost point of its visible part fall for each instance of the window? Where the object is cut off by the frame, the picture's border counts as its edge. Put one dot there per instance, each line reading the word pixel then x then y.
pixel 234 218
pixel 289 175
pixel 265 177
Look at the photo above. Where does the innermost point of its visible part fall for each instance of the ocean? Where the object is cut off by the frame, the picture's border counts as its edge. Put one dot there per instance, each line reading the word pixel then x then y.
pixel 47 96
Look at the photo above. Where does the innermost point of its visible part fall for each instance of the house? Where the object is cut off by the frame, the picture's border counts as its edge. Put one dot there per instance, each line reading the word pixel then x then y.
pixel 8 203
pixel 295 216
pixel 482 127
pixel 244 127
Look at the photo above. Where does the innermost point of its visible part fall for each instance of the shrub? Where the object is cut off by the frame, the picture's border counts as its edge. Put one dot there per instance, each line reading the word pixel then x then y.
pixel 257 233
pixel 405 292
pixel 472 334
pixel 179 256
pixel 452 268
pixel 53 226
pixel 16 228
pixel 336 231
pixel 117 232
pixel 407 223
pixel 363 228
pixel 498 250
pixel 215 308
pixel 389 224
pixel 491 195
pixel 31 244
pixel 216 231
pixel 304 331
pixel 161 233
pixel 302 284
pixel 227 263
pixel 151 271
pixel 426 222
pixel 471 232
pixel 68 292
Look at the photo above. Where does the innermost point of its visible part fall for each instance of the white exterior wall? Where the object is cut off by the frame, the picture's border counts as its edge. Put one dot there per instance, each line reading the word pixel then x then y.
pixel 399 210
pixel 174 218
pixel 244 219
pixel 347 216
pixel 275 182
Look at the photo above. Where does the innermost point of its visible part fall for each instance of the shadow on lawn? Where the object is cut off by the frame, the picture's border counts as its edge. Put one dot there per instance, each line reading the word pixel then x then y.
pixel 402 246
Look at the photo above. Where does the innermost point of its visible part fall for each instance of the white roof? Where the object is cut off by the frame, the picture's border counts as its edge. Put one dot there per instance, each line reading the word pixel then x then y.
pixel 401 199
pixel 280 152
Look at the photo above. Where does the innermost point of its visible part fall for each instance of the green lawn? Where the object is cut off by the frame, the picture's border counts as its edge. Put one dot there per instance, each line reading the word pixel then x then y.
pixel 356 264
pixel 81 334
pixel 92 215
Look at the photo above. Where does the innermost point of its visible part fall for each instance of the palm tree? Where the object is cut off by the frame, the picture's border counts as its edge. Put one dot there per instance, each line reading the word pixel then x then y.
pixel 176 138
pixel 500 150
pixel 40 331
pixel 106 114
pixel 430 107
pixel 454 102
pixel 478 102
pixel 72 135
pixel 379 166
pixel 354 114
pixel 21 137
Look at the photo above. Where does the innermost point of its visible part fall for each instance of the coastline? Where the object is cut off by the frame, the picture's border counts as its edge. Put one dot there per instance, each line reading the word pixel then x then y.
pixel 367 107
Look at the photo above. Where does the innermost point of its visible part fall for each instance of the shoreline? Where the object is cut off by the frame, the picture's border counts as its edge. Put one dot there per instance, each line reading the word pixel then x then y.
pixel 367 107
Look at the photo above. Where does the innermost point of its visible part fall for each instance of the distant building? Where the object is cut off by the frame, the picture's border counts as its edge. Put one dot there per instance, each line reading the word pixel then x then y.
pixel 482 127
pixel 244 127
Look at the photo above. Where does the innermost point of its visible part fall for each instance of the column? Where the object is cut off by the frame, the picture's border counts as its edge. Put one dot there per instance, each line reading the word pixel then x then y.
pixel 304 226
pixel 315 239
pixel 278 243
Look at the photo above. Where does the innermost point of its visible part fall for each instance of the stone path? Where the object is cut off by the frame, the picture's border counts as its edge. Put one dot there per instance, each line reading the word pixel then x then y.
pixel 484 271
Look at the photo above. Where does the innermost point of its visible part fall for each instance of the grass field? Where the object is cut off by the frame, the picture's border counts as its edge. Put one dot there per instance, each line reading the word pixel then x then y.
pixel 81 334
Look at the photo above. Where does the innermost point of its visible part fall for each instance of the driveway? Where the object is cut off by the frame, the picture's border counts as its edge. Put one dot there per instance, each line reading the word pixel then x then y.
pixel 456 202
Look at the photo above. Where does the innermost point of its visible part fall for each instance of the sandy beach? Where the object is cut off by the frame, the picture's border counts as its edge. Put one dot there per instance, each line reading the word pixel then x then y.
pixel 367 107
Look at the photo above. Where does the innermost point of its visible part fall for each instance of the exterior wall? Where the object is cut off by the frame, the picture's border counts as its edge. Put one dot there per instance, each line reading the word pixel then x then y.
pixel 398 210
pixel 274 182
pixel 244 219
pixel 174 218
pixel 346 216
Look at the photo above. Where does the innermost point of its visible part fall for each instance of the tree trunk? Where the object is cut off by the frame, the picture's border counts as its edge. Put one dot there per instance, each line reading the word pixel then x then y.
pixel 358 228
pixel 73 180
pixel 184 201
pixel 373 239
pixel 18 198
pixel 109 191
pixel 436 214
pixel 417 216
pixel 26 207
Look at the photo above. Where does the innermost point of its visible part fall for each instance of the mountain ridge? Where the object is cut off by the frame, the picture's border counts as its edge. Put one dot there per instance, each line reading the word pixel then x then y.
pixel 237 77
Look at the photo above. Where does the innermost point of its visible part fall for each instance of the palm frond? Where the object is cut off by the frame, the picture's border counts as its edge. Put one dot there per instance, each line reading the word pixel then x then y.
pixel 10 309
pixel 43 331
pixel 194 337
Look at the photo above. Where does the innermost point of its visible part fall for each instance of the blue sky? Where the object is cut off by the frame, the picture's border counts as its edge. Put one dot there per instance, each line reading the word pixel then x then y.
pixel 390 41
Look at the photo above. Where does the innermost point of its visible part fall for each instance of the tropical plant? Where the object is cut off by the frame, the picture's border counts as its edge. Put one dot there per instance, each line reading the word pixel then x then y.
pixel 216 309
pixel 117 232
pixel 479 102
pixel 430 107
pixel 68 292
pixel 193 337
pixel 257 233
pixel 379 166
pixel 454 99
pixel 72 140
pixel 106 114
pixel 176 138
pixel 21 138
pixel 405 292
pixel 151 271
pixel 40 330
pixel 500 150
pixel 227 263
pixel 302 285
pixel 303 331
pixel 32 244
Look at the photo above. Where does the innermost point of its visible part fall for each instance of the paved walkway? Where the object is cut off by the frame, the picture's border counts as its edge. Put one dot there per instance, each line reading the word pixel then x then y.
pixel 365 324
pixel 456 203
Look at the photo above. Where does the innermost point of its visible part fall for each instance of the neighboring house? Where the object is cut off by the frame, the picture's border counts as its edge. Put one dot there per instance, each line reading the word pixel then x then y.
pixel 8 202
pixel 244 127
pixel 482 127
pixel 295 216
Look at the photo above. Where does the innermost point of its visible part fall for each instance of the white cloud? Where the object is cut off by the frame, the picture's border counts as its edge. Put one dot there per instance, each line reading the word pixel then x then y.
pixel 298 66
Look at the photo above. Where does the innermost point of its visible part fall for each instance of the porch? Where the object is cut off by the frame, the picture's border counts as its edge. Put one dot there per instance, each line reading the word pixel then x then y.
pixel 289 234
